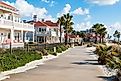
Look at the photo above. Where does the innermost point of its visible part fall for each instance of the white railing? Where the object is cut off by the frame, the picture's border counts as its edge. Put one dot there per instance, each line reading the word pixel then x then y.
pixel 15 25
pixel 48 33
pixel 43 33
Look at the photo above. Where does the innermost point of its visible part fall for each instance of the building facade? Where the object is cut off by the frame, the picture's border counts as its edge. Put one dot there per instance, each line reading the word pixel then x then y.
pixel 12 30
pixel 47 32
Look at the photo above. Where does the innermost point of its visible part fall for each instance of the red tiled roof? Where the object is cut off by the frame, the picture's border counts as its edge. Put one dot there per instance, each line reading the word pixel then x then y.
pixel 46 23
pixel 6 5
pixel 38 24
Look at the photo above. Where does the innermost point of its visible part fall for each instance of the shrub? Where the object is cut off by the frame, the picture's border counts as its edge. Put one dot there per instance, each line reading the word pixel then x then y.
pixel 54 53
pixel 2 50
pixel 90 44
pixel 16 59
pixel 59 50
pixel 63 47
pixel 45 52
pixel 67 46
pixel 103 52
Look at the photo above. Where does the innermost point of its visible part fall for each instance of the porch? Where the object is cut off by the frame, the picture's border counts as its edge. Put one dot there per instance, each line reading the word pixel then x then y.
pixel 15 37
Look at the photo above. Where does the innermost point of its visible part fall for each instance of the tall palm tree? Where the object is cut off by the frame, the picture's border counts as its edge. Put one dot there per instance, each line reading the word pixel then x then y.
pixel 67 25
pixel 61 23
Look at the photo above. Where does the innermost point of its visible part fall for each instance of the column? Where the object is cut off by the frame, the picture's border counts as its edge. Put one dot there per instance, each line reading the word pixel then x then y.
pixel 12 35
pixel 22 36
pixel 25 37
pixel 33 36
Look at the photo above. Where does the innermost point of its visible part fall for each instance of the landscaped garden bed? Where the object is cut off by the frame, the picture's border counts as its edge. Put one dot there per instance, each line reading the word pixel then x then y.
pixel 20 57
pixel 110 56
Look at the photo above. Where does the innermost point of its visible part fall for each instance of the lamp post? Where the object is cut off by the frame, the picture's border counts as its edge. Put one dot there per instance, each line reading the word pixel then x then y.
pixel 11 33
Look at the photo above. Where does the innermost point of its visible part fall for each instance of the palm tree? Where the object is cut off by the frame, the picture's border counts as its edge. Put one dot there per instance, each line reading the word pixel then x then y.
pixel 117 35
pixel 67 25
pixel 61 23
pixel 102 32
pixel 99 30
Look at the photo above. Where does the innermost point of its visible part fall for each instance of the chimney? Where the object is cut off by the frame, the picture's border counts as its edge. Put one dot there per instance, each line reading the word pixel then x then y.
pixel 35 17
pixel 43 20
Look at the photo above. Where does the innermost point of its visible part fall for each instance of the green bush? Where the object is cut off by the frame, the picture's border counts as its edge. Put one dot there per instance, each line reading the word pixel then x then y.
pixel 58 49
pixel 54 53
pixel 63 47
pixel 16 59
pixel 45 52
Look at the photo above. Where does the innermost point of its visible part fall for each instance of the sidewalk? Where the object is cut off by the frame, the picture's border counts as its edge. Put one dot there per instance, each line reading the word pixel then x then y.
pixel 74 65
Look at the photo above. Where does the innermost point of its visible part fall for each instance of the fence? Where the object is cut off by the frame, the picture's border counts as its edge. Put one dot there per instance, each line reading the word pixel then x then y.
pixel 40 46
pixel 44 46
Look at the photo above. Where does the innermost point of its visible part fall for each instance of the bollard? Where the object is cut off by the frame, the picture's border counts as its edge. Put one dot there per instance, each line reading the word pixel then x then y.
pixel 55 49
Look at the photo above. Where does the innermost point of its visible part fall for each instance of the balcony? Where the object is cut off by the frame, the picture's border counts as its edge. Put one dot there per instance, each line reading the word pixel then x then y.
pixel 8 24
pixel 48 33
pixel 43 33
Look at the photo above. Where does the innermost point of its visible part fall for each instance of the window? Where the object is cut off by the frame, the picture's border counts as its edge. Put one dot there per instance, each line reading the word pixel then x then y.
pixel 1 33
pixel 39 29
pixel 8 17
pixel 9 35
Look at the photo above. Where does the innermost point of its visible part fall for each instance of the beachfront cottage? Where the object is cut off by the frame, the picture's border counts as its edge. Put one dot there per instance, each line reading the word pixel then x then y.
pixel 12 30
pixel 47 32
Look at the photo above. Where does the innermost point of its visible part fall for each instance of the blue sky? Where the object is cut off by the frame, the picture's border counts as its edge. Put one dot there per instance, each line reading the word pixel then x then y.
pixel 85 12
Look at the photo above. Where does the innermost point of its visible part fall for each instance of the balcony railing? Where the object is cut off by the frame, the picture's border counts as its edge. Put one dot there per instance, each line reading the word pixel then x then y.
pixel 47 33
pixel 43 33
pixel 15 25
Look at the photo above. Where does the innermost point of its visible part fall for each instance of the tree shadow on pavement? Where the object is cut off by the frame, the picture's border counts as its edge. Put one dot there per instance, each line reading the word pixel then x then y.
pixel 108 78
pixel 86 62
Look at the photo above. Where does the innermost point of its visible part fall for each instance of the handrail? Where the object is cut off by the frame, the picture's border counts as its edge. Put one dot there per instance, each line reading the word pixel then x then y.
pixel 16 25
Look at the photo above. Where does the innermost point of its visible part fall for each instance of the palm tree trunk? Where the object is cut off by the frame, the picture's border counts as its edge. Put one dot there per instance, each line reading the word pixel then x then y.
pixel 96 38
pixel 66 38
pixel 101 38
pixel 60 34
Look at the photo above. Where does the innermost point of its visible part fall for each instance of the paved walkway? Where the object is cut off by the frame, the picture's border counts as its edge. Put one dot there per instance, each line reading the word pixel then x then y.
pixel 74 65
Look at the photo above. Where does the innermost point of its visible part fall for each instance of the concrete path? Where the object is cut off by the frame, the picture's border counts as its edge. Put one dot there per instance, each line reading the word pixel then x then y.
pixel 74 65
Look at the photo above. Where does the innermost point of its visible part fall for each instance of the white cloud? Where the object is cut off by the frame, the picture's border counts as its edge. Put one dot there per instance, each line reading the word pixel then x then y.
pixel 88 17
pixel 104 2
pixel 65 10
pixel 81 11
pixel 27 10
pixel 115 26
pixel 46 1
pixel 82 26
pixel 51 3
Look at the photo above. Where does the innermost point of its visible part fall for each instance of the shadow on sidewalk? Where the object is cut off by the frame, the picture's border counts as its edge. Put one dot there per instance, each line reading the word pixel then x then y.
pixel 87 62
pixel 108 78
